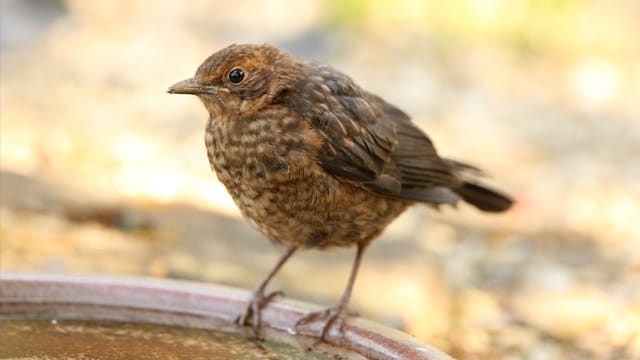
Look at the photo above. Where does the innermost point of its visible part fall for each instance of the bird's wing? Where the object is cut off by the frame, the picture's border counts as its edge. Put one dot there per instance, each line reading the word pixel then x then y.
pixel 374 144
pixel 429 178
pixel 424 175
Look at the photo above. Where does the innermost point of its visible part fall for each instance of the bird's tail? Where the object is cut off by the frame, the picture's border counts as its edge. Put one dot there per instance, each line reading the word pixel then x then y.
pixel 484 198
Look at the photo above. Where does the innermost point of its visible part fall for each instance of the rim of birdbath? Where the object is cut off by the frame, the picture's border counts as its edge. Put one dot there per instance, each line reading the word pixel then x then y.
pixel 193 305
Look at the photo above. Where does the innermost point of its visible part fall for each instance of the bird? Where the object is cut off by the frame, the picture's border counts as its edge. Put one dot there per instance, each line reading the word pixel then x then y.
pixel 315 161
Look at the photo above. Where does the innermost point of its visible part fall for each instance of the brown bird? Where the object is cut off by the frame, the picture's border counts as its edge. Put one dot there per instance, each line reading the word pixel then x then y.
pixel 315 161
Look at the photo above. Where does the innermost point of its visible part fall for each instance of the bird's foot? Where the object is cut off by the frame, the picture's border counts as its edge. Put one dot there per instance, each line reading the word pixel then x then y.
pixel 331 318
pixel 252 314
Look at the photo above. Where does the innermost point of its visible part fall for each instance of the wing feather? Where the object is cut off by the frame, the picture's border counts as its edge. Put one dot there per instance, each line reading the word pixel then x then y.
pixel 373 144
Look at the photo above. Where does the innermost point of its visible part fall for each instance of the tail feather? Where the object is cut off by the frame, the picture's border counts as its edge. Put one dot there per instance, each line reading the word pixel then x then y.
pixel 484 198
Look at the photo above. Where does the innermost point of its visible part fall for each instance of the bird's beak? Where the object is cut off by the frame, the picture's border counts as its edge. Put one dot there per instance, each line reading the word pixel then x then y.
pixel 190 86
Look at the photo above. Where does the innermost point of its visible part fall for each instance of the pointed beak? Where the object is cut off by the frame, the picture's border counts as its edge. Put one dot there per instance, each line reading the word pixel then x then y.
pixel 188 86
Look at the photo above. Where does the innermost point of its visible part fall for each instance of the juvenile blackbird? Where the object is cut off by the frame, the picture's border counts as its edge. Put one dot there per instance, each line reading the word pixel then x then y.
pixel 315 161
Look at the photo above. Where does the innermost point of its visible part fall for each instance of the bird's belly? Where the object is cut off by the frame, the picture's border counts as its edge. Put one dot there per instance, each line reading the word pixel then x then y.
pixel 307 207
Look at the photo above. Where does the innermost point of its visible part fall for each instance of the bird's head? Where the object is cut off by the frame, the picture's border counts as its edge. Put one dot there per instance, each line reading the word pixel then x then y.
pixel 241 79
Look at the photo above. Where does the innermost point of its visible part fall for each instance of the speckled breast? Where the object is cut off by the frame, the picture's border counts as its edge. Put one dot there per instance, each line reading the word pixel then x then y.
pixel 268 166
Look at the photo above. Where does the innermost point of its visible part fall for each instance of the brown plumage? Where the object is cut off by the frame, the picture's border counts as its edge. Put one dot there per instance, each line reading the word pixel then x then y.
pixel 316 161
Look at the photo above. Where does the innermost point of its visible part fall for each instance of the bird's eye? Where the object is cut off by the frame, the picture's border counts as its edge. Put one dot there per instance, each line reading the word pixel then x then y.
pixel 236 75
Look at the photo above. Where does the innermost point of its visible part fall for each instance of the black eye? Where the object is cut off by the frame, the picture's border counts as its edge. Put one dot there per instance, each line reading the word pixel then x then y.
pixel 236 75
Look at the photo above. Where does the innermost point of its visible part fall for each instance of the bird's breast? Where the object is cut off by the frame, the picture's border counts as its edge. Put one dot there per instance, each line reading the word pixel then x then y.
pixel 261 160
pixel 271 148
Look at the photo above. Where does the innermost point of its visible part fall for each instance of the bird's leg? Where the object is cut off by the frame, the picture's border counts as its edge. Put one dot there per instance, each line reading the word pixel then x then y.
pixel 259 299
pixel 335 316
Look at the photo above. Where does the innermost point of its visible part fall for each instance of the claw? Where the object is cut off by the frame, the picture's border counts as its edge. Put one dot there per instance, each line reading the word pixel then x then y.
pixel 331 317
pixel 254 308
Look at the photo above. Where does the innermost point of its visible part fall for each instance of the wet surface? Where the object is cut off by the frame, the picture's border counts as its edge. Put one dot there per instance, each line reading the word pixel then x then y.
pixel 51 339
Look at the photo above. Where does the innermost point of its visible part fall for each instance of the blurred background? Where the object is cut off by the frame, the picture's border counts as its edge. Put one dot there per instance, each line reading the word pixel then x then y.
pixel 102 172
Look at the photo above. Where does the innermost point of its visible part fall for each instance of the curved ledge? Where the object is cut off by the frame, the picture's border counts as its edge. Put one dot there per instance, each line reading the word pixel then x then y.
pixel 190 304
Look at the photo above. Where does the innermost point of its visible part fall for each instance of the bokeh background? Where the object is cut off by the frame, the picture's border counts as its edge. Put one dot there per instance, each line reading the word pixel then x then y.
pixel 102 172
